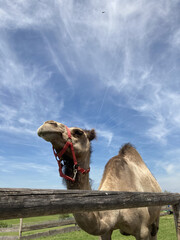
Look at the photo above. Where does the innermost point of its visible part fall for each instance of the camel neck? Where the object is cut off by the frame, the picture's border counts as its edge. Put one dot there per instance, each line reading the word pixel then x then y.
pixel 82 181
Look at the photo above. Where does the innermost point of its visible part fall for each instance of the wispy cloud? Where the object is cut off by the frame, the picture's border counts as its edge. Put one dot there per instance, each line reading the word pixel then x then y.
pixel 114 46
pixel 19 163
pixel 174 40
pixel 56 58
pixel 107 135
pixel 128 66
pixel 119 48
pixel 169 183
pixel 24 14
pixel 23 102
pixel 167 168
pixel 163 112
pixel 69 62
pixel 44 175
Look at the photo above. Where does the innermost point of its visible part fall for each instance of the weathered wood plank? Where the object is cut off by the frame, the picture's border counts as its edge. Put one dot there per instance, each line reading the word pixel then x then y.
pixel 8 237
pixel 49 224
pixel 20 227
pixel 11 229
pixel 176 211
pixel 17 203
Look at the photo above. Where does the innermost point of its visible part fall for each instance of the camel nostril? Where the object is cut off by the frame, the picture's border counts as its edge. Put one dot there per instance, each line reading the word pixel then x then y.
pixel 52 123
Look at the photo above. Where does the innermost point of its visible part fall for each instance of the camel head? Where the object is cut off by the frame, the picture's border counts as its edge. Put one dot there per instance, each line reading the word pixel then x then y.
pixel 57 134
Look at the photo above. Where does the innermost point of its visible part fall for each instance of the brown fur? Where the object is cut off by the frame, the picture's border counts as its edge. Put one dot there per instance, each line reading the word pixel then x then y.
pixel 91 134
pixel 125 149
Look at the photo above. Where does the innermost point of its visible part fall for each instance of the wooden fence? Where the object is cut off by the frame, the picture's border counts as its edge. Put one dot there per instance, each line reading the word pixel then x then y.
pixel 44 225
pixel 22 228
pixel 18 203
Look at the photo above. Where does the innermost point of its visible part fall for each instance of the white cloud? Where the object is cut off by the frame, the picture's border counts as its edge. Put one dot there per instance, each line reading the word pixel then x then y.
pixel 7 113
pixel 21 14
pixel 159 132
pixel 170 182
pixel 175 39
pixel 17 130
pixel 25 101
pixel 57 60
pixel 127 50
pixel 163 112
pixel 25 121
pixel 20 173
pixel 123 37
pixel 168 170
pixel 106 135
pixel 129 70
pixel 14 165
pixel 169 167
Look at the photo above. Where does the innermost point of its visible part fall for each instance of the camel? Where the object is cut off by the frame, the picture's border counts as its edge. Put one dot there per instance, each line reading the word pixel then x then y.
pixel 124 172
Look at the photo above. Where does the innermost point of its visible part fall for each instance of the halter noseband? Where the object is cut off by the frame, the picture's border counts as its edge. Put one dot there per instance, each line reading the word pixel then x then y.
pixel 59 159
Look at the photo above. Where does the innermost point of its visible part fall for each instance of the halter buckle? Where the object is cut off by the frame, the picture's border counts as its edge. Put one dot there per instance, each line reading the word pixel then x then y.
pixel 74 172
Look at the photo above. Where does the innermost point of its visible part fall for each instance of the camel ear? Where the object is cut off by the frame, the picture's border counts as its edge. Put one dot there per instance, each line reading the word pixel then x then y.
pixel 91 134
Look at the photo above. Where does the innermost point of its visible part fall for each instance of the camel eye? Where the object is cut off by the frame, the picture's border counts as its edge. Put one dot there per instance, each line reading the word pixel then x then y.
pixel 78 132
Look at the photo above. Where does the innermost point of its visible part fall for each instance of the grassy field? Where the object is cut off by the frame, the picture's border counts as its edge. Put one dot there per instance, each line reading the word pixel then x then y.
pixel 166 231
pixel 32 220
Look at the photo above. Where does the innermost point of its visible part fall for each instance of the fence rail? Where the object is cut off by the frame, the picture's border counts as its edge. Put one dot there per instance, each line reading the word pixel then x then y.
pixel 42 234
pixel 44 225
pixel 22 228
pixel 18 203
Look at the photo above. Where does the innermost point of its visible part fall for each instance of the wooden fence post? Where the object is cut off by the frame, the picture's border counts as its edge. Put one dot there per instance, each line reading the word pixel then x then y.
pixel 20 228
pixel 176 211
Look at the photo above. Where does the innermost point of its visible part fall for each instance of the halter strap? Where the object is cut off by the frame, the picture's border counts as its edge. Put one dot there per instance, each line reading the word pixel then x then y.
pixel 59 159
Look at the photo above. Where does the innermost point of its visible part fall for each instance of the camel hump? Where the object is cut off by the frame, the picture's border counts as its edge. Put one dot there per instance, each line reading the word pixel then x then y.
pixel 130 152
pixel 127 147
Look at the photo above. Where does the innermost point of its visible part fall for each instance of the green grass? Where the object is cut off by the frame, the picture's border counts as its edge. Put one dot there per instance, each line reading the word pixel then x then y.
pixel 166 230
pixel 32 220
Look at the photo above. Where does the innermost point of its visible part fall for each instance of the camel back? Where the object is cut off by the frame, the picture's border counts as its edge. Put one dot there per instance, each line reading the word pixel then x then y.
pixel 128 172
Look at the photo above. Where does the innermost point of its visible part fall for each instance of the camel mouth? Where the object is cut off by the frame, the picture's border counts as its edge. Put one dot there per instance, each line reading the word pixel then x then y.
pixel 68 167
pixel 42 133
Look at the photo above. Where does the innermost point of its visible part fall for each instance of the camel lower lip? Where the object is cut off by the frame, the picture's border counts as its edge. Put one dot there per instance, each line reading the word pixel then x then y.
pixel 43 133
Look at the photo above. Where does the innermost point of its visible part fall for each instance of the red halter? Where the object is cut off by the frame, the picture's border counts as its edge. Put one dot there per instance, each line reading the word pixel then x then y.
pixel 59 155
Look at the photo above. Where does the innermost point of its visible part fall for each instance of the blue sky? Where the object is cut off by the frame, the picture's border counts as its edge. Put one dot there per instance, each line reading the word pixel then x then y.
pixel 117 72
